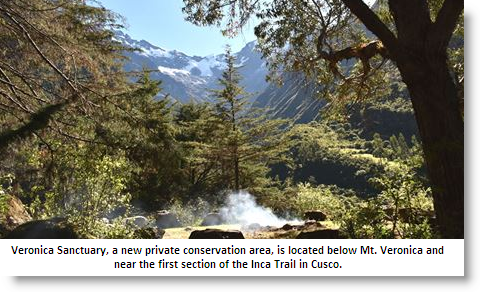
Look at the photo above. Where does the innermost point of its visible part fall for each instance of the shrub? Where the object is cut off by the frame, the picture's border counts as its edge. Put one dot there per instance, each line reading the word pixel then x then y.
pixel 192 213
pixel 365 219
pixel 331 200
pixel 98 229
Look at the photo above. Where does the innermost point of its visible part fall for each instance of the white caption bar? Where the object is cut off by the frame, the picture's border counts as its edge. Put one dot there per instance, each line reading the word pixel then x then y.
pixel 260 257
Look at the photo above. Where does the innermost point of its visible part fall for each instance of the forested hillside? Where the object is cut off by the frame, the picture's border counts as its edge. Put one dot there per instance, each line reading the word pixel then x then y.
pixel 321 128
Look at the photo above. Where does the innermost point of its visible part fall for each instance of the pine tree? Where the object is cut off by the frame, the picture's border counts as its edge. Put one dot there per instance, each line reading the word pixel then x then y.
pixel 56 56
pixel 197 133
pixel 231 101
pixel 395 147
pixel 402 143
pixel 247 140
pixel 378 146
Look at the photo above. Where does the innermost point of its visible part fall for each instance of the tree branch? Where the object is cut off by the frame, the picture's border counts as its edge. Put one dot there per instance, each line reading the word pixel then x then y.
pixel 445 23
pixel 42 55
pixel 38 121
pixel 363 52
pixel 373 23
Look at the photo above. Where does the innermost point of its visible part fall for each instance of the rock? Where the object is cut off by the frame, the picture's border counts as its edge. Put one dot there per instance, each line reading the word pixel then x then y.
pixel 287 227
pixel 166 219
pixel 320 234
pixel 216 234
pixel 16 214
pixel 212 219
pixel 55 228
pixel 149 233
pixel 136 221
pixel 315 215
pixel 309 224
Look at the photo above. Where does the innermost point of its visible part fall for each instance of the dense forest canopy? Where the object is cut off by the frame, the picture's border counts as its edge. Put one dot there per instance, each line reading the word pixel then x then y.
pixel 84 140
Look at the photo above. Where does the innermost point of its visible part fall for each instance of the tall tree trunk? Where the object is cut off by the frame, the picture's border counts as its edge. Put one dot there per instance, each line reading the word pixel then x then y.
pixel 435 101
pixel 237 174
pixel 419 48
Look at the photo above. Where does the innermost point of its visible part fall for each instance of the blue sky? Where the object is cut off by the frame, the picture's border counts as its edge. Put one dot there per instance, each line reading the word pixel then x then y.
pixel 161 22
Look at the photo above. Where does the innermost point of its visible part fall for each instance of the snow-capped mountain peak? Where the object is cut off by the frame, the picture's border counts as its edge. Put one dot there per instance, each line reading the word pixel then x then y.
pixel 191 77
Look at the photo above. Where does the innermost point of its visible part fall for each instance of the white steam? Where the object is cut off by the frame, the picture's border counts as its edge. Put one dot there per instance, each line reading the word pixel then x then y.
pixel 241 208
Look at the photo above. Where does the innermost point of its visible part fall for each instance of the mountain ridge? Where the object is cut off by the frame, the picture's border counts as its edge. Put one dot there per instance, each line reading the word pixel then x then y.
pixel 187 78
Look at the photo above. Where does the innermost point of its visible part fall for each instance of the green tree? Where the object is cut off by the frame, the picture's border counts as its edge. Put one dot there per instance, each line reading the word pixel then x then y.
pixel 403 146
pixel 231 101
pixel 56 56
pixel 142 126
pixel 378 146
pixel 78 136
pixel 128 150
pixel 409 36
pixel 247 141
pixel 197 134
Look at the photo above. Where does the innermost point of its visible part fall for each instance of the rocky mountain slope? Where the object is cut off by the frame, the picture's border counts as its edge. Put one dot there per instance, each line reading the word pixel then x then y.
pixel 188 78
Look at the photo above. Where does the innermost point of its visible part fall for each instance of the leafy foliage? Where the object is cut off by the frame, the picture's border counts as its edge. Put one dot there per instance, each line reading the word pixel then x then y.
pixel 5 189
pixel 330 154
pixel 331 200
pixel 190 213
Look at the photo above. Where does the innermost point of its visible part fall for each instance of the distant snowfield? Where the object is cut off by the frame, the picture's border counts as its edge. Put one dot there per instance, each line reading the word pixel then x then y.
pixel 155 52
pixel 206 64
pixel 173 71
pixel 182 76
